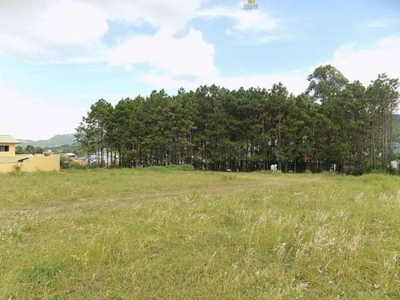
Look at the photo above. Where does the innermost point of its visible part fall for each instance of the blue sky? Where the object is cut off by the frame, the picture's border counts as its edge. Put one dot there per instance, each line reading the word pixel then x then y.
pixel 57 57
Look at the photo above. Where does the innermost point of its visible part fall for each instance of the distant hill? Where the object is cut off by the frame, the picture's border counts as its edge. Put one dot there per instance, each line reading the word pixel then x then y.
pixel 55 142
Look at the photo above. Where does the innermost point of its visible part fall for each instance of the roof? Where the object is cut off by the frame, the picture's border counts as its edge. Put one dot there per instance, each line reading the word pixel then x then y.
pixel 14 159
pixel 8 139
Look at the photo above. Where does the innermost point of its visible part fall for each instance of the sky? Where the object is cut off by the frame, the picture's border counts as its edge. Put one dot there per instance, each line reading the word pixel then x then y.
pixel 58 57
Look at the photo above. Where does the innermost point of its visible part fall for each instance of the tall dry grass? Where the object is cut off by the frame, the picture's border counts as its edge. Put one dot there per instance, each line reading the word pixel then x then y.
pixel 143 234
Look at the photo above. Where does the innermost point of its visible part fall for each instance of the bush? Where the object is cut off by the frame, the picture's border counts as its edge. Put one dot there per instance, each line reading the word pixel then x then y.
pixel 64 162
pixel 172 167
pixel 181 167
pixel 369 170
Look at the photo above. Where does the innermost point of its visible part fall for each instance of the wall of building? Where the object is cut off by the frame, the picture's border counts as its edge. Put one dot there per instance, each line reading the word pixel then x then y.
pixel 33 164
pixel 11 150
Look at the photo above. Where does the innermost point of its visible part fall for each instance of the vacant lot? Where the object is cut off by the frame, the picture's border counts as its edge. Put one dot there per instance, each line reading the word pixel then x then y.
pixel 153 234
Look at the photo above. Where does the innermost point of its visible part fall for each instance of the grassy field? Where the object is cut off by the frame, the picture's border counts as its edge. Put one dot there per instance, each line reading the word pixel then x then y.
pixel 153 234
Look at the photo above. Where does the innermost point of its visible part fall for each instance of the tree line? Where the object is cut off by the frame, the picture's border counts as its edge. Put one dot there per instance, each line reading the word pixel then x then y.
pixel 333 124
pixel 29 149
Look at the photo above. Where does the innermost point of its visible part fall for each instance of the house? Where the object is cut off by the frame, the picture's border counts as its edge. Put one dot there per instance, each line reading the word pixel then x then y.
pixel 7 145
pixel 9 161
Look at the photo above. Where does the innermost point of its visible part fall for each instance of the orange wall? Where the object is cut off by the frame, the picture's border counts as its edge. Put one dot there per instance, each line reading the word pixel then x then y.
pixel 35 163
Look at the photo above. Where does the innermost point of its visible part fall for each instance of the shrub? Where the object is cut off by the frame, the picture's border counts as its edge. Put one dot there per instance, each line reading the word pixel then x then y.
pixel 369 170
pixel 17 168
pixel 185 167
pixel 64 162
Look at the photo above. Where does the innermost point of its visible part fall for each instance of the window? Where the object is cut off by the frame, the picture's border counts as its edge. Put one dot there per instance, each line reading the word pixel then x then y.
pixel 4 148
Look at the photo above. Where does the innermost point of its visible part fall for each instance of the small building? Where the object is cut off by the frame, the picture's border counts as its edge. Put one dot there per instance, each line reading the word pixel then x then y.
pixel 7 146
pixel 70 155
pixel 9 161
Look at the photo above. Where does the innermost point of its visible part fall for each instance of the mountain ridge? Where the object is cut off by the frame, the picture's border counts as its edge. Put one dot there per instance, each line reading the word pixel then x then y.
pixel 56 141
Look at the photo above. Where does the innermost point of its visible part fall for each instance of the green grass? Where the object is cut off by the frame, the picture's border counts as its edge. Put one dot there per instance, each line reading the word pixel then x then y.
pixel 167 234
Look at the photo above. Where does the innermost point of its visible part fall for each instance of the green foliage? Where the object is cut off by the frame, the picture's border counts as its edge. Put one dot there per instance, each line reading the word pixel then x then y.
pixel 336 122
pixel 168 168
pixel 19 150
pixel 30 149
pixel 38 150
pixel 369 170
pixel 43 273
pixel 64 162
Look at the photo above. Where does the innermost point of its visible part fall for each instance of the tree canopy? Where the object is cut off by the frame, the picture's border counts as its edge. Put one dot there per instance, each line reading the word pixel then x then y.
pixel 334 123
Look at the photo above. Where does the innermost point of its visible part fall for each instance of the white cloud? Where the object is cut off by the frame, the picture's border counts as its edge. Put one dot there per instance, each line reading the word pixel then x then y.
pixel 256 25
pixel 380 23
pixel 47 30
pixel 57 30
pixel 188 58
pixel 364 64
pixel 70 22
pixel 295 82
pixel 174 14
pixel 27 117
